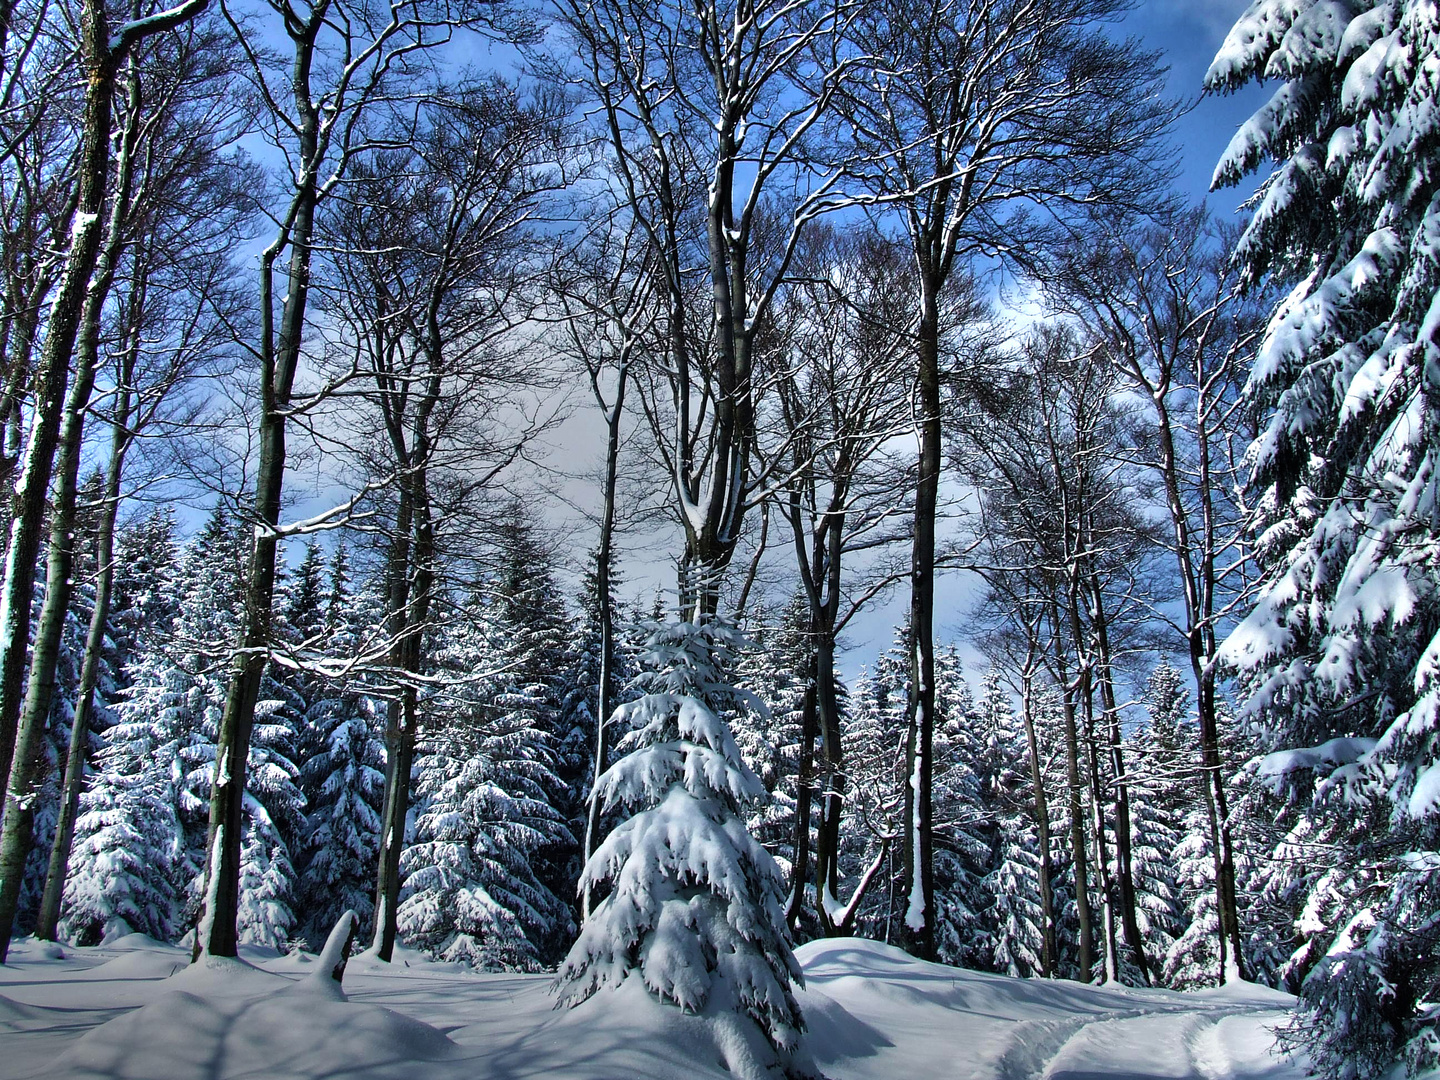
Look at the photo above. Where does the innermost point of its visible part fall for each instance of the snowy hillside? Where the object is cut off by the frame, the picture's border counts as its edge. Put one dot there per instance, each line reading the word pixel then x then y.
pixel 137 1010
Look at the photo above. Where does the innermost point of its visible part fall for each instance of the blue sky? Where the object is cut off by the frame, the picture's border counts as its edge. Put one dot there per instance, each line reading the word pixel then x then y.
pixel 1188 33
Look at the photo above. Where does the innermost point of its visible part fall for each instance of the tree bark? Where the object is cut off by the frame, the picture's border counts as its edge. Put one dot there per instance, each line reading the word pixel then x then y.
pixel 804 801
pixel 604 703
pixel 1042 829
pixel 1125 872
pixel 917 863
pixel 48 922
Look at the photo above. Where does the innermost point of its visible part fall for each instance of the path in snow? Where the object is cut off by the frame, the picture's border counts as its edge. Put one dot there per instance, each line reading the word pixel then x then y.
pixel 135 1010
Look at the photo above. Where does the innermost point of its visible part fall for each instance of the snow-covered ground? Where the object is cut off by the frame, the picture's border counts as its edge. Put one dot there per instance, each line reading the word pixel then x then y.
pixel 136 1010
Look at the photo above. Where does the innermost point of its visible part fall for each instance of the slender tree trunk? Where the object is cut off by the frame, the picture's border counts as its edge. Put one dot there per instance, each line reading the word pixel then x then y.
pixel 52 373
pixel 1042 825
pixel 399 758
pixel 1199 588
pixel 1124 862
pixel 804 795
pixel 605 706
pixel 48 923
pixel 1078 846
pixel 1097 826
pixel 917 866
pixel 217 933
pixel 832 785
pixel 403 723
pixel 28 771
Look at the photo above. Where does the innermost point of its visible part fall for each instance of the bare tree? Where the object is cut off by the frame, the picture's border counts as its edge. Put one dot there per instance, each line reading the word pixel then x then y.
pixel 839 405
pixel 975 112
pixel 1164 302
pixel 319 110
pixel 102 51
pixel 434 252
pixel 606 294
pixel 708 109
pixel 167 263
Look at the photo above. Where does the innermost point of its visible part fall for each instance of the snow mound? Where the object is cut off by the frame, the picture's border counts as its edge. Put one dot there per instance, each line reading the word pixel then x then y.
pixel 229 1019
pixel 714 1037
pixel 140 964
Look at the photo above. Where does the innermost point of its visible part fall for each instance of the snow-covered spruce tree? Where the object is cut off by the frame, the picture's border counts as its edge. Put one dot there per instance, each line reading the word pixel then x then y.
pixel 965 820
pixel 695 908
pixel 1013 913
pixel 162 752
pixel 484 815
pixel 1343 640
pixel 532 627
pixel 342 774
pixel 1163 791
pixel 775 668
pixel 874 734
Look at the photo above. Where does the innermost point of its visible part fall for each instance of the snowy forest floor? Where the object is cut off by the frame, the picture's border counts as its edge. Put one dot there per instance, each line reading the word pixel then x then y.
pixel 134 1009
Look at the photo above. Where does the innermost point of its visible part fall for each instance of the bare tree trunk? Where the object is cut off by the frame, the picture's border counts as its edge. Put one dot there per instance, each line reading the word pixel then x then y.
pixel 1123 843
pixel 27 517
pixel 918 924
pixel 217 934
pixel 1042 827
pixel 48 922
pixel 1199 586
pixel 804 800
pixel 832 781
pixel 412 595
pixel 604 703
pixel 1078 846
pixel 28 771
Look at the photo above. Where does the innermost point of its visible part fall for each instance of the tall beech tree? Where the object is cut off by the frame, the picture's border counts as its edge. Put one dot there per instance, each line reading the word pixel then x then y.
pixel 436 256
pixel 838 407
pixel 1164 304
pixel 974 114
pixel 708 110
pixel 174 213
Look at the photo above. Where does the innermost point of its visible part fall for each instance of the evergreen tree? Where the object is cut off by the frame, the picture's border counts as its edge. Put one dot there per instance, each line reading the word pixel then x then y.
pixel 1164 796
pixel 486 826
pixel 696 906
pixel 964 820
pixel 1013 913
pixel 775 668
pixel 1344 641
pixel 874 733
pixel 580 697
pixel 161 750
pixel 342 775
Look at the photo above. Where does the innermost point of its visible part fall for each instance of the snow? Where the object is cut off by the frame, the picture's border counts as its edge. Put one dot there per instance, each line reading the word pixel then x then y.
pixel 1343 751
pixel 136 1008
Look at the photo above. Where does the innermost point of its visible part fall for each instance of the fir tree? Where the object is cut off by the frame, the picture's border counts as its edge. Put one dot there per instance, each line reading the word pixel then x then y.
pixel 485 822
pixel 342 776
pixel 964 819
pixel 1013 913
pixel 1344 640
pixel 696 906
